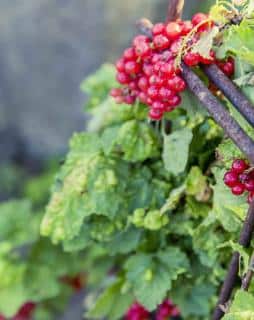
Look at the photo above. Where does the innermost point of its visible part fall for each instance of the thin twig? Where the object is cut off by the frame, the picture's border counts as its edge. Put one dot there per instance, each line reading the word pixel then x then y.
pixel 219 113
pixel 246 282
pixel 175 9
pixel 229 89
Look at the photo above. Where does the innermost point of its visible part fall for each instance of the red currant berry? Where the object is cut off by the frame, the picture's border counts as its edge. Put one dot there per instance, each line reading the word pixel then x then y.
pixel 155 114
pixel 165 93
pixel 238 189
pixel 158 105
pixel 198 18
pixel 168 69
pixel 153 92
pixel 175 46
pixel 187 26
pixel 132 67
pixel 176 84
pixel 143 50
pixel 231 178
pixel 116 92
pixel 142 97
pixel 120 65
pixel 129 54
pixel 191 59
pixel 161 42
pixel 129 99
pixel 156 81
pixel 148 69
pixel 228 68
pixel 140 39
pixel 249 185
pixel 239 166
pixel 122 78
pixel 143 83
pixel 158 28
pixel 174 101
pixel 173 30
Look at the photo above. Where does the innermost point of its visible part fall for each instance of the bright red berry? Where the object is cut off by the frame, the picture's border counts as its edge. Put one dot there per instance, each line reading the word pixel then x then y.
pixel 116 92
pixel 173 30
pixel 239 166
pixel 132 67
pixel 191 59
pixel 120 65
pixel 238 189
pixel 231 178
pixel 158 28
pixel 123 78
pixel 187 26
pixel 153 92
pixel 174 101
pixel 166 93
pixel 155 114
pixel 249 185
pixel 176 84
pixel 161 42
pixel 143 83
pixel 129 54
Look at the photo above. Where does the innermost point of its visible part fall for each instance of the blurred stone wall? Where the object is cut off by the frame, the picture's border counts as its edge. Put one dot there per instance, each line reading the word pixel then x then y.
pixel 47 47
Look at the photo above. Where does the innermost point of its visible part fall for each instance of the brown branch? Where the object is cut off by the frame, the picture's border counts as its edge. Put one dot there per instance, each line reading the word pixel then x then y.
pixel 175 9
pixel 232 275
pixel 219 113
pixel 229 89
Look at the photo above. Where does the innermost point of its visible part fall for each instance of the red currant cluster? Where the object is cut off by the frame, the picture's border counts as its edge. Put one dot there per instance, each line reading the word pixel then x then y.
pixel 164 311
pixel 148 71
pixel 240 178
pixel 24 313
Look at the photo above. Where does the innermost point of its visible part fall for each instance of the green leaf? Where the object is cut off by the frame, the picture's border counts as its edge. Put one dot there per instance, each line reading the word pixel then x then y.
pixel 205 43
pixel 138 141
pixel 151 276
pixel 176 150
pixel 242 307
pixel 111 304
pixel 238 41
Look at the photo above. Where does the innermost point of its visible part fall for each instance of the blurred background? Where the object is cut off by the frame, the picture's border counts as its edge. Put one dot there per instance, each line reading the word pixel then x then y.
pixel 47 48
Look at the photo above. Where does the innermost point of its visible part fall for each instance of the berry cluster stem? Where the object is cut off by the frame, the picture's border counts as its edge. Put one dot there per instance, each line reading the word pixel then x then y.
pixel 232 275
pixel 219 113
pixel 229 89
pixel 175 9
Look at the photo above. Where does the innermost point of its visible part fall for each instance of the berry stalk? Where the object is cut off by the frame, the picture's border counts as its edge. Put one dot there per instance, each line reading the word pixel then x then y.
pixel 218 112
pixel 240 102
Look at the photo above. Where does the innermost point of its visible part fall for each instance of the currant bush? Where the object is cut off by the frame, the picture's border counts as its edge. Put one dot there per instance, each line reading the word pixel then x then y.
pixel 148 71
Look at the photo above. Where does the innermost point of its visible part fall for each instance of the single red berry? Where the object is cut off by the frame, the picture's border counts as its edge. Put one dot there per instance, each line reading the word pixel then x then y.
pixel 238 189
pixel 166 93
pixel 140 39
pixel 133 85
pixel 209 60
pixel 142 97
pixel 174 101
pixel 158 66
pixel 228 68
pixel 168 69
pixel 155 114
pixel 132 67
pixel 143 50
pixel 176 84
pixel 156 81
pixel 153 92
pixel 187 26
pixel 161 42
pixel 155 58
pixel 231 178
pixel 191 59
pixel 249 184
pixel 129 99
pixel 123 78
pixel 129 54
pixel 120 65
pixel 198 18
pixel 143 83
pixel 148 69
pixel 119 99
pixel 116 92
pixel 158 105
pixel 243 177
pixel 173 30
pixel 239 166
pixel 158 28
